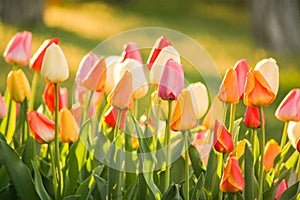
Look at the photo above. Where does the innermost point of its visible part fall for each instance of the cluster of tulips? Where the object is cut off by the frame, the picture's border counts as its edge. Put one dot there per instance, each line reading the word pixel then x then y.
pixel 107 146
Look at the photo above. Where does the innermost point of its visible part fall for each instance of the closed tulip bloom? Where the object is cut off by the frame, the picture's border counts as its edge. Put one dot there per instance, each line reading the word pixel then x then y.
pixel 68 127
pixel 3 107
pixel 121 95
pixel 18 86
pixel 294 134
pixel 269 70
pixel 55 67
pixel 252 117
pixel 42 128
pixel 214 113
pixel 241 68
pixel 257 91
pixel 199 97
pixel 272 149
pixel 49 97
pixel 289 108
pixel 222 139
pixel 37 59
pixel 18 50
pixel 112 72
pixel 172 81
pixel 111 115
pixel 232 179
pixel 229 90
pixel 132 51
pixel 85 66
pixel 283 185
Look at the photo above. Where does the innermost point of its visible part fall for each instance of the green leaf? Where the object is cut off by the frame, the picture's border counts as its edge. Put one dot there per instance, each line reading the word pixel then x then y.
pixel 197 164
pixel 251 185
pixel 28 153
pixel 101 185
pixel 18 172
pixel 291 162
pixel 8 192
pixel 291 192
pixel 72 197
pixel 86 187
pixel 11 118
pixel 198 192
pixel 4 177
pixel 173 193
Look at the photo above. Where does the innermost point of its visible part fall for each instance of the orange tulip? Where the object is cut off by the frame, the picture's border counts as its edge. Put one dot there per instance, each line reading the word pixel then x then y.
pixel 18 50
pixel 232 178
pixel 229 90
pixel 37 59
pixel 289 108
pixel 49 97
pixel 271 151
pixel 241 68
pixel 184 116
pixel 257 91
pixel 252 117
pixel 132 51
pixel 3 107
pixel 42 128
pixel 68 127
pixel 294 134
pixel 222 138
pixel 283 185
pixel 18 86
pixel 121 95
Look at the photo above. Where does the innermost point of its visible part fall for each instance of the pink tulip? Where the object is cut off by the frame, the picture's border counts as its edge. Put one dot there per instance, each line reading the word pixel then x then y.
pixel 3 107
pixel 241 68
pixel 283 185
pixel 172 81
pixel 85 66
pixel 18 50
pixel 132 51
pixel 289 108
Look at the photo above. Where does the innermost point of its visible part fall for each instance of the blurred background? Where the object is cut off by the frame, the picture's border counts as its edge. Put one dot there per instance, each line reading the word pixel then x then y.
pixel 229 30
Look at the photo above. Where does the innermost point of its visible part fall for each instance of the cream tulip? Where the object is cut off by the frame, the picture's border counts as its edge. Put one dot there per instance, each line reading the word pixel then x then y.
pixel 111 70
pixel 294 134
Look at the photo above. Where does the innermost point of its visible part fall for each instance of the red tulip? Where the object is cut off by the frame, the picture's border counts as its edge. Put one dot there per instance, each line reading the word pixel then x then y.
pixel 18 50
pixel 229 90
pixel 132 51
pixel 232 179
pixel 37 59
pixel 289 108
pixel 172 81
pixel 252 117
pixel 283 185
pixel 241 68
pixel 222 138
pixel 86 64
pixel 42 128
pixel 3 107
pixel 110 117
pixel 49 97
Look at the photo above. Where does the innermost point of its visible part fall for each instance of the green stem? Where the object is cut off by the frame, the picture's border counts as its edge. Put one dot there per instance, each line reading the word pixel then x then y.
pixel 223 159
pixel 167 146
pixel 298 170
pixel 116 131
pixel 33 89
pixel 56 144
pixel 8 115
pixel 232 118
pixel 87 106
pixel 262 150
pixel 284 135
pixel 54 177
pixel 187 176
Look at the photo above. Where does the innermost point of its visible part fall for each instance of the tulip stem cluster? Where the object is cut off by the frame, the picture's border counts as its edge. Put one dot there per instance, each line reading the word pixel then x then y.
pixel 167 145
pixel 262 150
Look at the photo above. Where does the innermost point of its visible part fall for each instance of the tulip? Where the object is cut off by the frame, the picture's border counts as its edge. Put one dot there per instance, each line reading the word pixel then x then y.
pixel 232 178
pixel 95 78
pixel 68 127
pixel 199 97
pixel 121 95
pixel 80 95
pixel 172 81
pixel 132 51
pixel 49 97
pixel 42 128
pixel 214 113
pixel 271 151
pixel 3 107
pixel 111 115
pixel 289 108
pixel 283 185
pixel 229 90
pixel 55 67
pixel 163 106
pixel 269 70
pixel 18 86
pixel 112 73
pixel 184 116
pixel 222 138
pixel 258 93
pixel 240 147
pixel 294 134
pixel 241 68
pixel 252 117
pixel 85 66
pixel 37 59
pixel 18 50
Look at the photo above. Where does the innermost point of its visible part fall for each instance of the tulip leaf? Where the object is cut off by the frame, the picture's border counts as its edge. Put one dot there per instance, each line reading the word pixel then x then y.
pixel 101 185
pixel 198 193
pixel 8 123
pixel 196 161
pixel 251 185
pixel 291 192
pixel 72 197
pixel 177 166
pixel 291 162
pixel 28 153
pixel 3 177
pixel 173 193
pixel 86 187
pixel 18 172
pixel 8 192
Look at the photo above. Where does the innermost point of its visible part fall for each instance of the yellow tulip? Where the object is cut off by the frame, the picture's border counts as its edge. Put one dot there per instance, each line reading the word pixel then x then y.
pixel 69 129
pixel 18 86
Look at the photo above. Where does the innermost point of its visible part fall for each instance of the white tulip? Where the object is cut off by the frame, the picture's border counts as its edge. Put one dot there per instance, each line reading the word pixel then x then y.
pixel 111 70
pixel 294 134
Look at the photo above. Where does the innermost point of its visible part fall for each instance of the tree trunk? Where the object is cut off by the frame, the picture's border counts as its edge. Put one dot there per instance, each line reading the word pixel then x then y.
pixel 276 24
pixel 22 12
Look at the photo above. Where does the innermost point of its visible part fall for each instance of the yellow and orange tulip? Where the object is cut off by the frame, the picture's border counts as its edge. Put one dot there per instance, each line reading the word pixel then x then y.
pixel 68 127
pixel 229 90
pixel 271 151
pixel 18 86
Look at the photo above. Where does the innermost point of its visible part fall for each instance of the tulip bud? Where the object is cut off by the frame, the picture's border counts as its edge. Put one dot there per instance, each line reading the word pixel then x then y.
pixel 252 117
pixel 55 67
pixel 229 90
pixel 283 185
pixel 232 178
pixel 68 127
pixel 49 97
pixel 172 81
pixel 37 59
pixel 271 151
pixel 289 108
pixel 18 50
pixel 132 51
pixel 3 107
pixel 294 134
pixel 241 68
pixel 85 66
pixel 214 113
pixel 111 115
pixel 184 116
pixel 42 128
pixel 222 138
pixel 18 86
